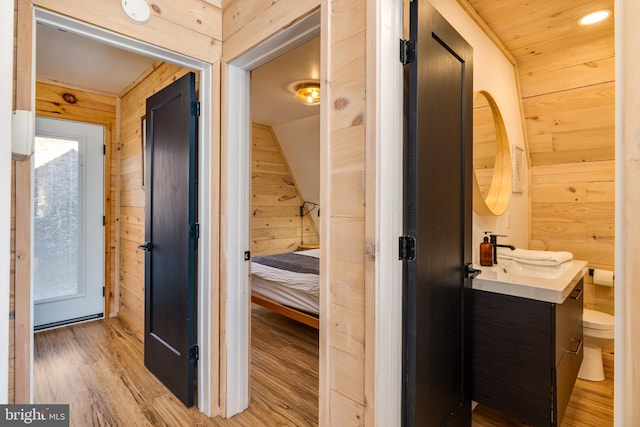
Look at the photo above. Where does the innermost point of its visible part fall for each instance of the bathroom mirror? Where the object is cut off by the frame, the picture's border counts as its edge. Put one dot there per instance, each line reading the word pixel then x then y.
pixel 491 157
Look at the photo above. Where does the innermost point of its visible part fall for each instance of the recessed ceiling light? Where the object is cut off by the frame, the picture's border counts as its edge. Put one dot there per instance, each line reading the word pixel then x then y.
pixel 595 17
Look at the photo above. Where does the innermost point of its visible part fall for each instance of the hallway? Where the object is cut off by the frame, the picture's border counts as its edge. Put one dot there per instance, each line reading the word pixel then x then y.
pixel 97 368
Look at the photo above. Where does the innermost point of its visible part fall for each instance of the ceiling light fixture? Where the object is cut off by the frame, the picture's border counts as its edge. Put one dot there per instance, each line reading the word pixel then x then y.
pixel 136 10
pixel 308 92
pixel 595 17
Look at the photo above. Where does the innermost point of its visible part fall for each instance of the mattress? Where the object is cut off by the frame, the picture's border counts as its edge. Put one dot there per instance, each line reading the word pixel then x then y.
pixel 298 290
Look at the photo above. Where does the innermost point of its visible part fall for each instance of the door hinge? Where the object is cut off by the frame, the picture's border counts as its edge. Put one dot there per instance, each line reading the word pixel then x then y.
pixel 104 220
pixel 247 255
pixel 103 291
pixel 194 353
pixel 195 108
pixel 407 51
pixel 104 149
pixel 407 249
pixel 194 230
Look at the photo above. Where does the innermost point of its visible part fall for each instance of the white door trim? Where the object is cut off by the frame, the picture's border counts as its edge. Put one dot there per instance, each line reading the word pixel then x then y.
pixel 386 19
pixel 204 192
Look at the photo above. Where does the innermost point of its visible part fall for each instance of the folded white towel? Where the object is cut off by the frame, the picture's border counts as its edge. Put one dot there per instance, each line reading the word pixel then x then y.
pixel 529 256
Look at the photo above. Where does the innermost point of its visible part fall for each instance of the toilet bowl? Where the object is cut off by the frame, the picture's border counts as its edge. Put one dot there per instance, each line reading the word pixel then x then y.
pixel 598 330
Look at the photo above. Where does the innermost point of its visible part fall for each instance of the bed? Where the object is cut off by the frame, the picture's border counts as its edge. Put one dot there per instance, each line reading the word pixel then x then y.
pixel 288 284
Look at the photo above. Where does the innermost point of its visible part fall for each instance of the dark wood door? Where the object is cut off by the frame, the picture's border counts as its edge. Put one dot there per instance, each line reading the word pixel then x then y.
pixel 171 236
pixel 439 91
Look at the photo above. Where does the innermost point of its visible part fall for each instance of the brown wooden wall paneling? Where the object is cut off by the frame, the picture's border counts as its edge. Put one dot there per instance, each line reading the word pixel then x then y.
pixel 568 98
pixel 275 222
pixel 191 27
pixel 22 209
pixel 343 400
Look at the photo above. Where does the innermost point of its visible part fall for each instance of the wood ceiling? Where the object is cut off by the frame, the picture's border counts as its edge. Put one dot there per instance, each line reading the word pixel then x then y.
pixel 566 75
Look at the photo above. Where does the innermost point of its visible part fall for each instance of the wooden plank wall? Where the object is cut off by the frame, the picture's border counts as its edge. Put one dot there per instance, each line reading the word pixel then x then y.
pixel 132 195
pixel 343 380
pixel 276 225
pixel 12 289
pixel 191 27
pixel 568 100
pixel 53 100
pixel 21 238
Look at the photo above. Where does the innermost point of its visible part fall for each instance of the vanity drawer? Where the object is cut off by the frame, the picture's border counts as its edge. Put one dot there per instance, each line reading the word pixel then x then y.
pixel 565 377
pixel 568 323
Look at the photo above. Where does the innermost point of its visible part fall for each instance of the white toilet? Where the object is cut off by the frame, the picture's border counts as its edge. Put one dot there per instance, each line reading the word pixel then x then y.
pixel 598 330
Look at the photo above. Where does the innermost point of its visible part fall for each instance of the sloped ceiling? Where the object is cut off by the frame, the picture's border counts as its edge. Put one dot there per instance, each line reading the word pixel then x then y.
pixel 566 75
pixel 296 125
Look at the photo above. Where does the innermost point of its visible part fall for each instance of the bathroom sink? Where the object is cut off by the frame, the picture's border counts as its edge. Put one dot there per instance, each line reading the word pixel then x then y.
pixel 543 283
pixel 511 267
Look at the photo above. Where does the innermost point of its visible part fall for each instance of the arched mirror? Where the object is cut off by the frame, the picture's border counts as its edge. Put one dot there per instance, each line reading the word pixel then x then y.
pixel 491 157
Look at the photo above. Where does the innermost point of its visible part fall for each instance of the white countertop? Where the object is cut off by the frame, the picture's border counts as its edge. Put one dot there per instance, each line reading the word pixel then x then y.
pixel 549 284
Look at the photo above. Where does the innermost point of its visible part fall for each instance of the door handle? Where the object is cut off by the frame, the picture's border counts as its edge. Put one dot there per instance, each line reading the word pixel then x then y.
pixel 472 273
pixel 146 246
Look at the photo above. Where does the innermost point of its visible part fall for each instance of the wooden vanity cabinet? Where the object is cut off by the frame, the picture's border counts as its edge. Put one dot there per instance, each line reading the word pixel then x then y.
pixel 526 354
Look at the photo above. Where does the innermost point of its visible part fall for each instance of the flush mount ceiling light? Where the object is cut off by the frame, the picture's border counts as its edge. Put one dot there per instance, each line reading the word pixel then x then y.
pixel 136 10
pixel 595 17
pixel 308 92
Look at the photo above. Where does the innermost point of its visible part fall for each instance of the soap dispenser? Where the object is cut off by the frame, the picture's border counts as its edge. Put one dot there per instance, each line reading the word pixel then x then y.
pixel 486 251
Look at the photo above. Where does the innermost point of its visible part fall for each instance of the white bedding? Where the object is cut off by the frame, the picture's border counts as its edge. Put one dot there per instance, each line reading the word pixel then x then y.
pixel 295 290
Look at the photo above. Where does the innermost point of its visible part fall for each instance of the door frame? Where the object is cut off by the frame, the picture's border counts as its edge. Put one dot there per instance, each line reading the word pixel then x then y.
pixel 384 172
pixel 236 176
pixel 206 196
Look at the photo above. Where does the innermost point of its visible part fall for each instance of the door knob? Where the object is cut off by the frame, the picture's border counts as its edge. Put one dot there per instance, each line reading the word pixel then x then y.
pixel 472 272
pixel 146 246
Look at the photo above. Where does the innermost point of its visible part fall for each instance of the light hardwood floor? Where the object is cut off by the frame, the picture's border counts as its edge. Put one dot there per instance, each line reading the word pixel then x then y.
pixel 97 368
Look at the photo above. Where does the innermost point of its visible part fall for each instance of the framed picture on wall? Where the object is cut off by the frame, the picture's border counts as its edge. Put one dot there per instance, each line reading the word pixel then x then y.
pixel 518 170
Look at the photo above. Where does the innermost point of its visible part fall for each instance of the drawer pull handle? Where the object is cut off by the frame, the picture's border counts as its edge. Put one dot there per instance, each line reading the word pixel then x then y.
pixel 576 294
pixel 578 347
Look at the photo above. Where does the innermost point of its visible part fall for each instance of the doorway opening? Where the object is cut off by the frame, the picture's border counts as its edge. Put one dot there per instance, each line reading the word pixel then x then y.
pixel 205 196
pixel 284 238
pixel 237 239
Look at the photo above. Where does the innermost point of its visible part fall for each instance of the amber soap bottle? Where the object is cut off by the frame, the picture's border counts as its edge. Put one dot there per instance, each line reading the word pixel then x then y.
pixel 486 251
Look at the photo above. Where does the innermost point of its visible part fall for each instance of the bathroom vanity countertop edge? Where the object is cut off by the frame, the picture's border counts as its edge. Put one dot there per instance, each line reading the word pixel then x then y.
pixel 547 290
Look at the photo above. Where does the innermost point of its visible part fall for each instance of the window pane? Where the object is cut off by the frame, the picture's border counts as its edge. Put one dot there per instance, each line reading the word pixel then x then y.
pixel 57 225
